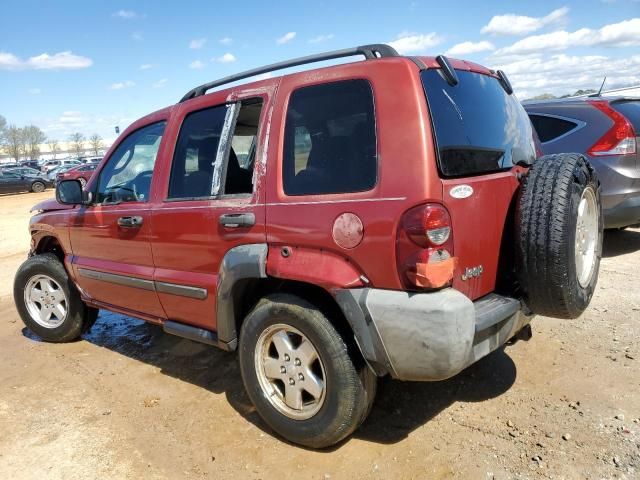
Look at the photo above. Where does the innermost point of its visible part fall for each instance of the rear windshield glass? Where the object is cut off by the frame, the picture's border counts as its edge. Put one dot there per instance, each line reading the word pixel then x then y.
pixel 631 110
pixel 478 127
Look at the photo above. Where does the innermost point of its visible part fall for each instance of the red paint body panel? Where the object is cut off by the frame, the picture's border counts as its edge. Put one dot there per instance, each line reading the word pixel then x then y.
pixel 407 173
pixel 319 267
pixel 98 243
pixel 478 222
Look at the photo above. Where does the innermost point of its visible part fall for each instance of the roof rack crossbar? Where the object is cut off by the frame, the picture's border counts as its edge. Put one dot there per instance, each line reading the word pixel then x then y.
pixel 368 51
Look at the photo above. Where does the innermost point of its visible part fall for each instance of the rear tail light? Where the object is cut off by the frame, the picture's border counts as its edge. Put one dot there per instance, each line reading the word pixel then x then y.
pixel 424 248
pixel 620 139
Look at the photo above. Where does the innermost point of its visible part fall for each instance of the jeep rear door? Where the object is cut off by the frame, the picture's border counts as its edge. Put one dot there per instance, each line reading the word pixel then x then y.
pixel 211 200
pixel 481 133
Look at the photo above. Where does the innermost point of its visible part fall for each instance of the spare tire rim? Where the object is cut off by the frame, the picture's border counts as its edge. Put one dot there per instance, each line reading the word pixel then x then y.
pixel 46 302
pixel 586 237
pixel 290 372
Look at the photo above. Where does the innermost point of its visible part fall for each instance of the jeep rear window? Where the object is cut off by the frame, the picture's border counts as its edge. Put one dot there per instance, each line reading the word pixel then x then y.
pixel 478 127
pixel 631 110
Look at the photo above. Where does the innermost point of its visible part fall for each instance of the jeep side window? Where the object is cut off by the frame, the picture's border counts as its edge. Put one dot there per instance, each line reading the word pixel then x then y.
pixel 127 175
pixel 243 149
pixel 192 170
pixel 330 139
pixel 195 154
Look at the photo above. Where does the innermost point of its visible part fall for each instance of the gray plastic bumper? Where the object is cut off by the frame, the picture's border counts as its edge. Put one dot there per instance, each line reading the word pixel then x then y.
pixel 428 336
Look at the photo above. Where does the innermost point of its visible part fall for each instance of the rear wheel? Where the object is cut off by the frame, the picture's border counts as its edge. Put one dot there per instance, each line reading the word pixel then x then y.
pixel 300 375
pixel 38 187
pixel 48 301
pixel 559 235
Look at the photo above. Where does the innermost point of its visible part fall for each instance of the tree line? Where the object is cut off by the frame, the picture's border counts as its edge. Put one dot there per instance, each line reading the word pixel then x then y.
pixel 24 142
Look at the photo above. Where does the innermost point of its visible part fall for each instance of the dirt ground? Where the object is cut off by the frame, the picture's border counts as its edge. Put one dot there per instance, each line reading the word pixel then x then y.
pixel 128 401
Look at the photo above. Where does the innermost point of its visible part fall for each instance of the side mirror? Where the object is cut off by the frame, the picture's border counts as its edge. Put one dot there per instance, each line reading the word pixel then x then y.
pixel 69 192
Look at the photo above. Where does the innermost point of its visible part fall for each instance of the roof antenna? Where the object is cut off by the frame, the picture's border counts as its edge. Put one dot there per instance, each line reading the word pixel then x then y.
pixel 599 91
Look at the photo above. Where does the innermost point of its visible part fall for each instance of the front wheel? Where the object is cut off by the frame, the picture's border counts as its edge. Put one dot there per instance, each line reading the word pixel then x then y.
pixel 48 301
pixel 300 375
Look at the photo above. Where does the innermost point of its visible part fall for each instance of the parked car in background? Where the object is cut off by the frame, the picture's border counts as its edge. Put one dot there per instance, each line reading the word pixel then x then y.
pixel 82 173
pixel 606 130
pixel 13 182
pixel 53 173
pixel 26 171
pixel 51 164
pixel 35 164
pixel 90 159
pixel 8 165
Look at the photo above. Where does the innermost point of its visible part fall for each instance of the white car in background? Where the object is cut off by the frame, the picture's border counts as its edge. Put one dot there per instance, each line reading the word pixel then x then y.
pixel 65 162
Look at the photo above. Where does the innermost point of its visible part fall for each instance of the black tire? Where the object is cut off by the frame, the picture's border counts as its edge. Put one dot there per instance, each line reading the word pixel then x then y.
pixel 546 217
pixel 350 384
pixel 79 317
pixel 38 187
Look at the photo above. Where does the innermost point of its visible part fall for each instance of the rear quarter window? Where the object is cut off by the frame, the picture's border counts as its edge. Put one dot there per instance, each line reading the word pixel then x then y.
pixel 550 128
pixel 478 127
pixel 330 139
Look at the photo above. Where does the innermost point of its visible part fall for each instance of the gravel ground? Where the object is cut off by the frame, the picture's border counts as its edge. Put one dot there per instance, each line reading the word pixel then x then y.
pixel 128 401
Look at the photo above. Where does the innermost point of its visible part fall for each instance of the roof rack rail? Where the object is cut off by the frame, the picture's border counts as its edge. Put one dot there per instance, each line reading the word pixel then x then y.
pixel 378 50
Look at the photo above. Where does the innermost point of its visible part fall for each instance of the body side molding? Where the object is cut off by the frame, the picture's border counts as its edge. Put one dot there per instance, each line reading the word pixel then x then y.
pixel 144 284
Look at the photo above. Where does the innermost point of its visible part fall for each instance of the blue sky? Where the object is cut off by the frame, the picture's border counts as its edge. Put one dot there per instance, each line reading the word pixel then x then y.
pixel 90 65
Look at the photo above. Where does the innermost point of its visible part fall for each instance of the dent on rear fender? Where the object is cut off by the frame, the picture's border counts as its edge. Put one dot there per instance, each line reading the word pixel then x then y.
pixel 319 267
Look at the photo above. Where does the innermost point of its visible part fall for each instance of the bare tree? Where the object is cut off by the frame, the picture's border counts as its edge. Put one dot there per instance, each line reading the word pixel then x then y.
pixel 96 143
pixel 15 142
pixel 33 138
pixel 54 147
pixel 3 130
pixel 77 143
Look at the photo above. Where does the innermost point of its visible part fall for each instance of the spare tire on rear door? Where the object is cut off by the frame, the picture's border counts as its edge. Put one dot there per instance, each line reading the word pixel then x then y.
pixel 559 235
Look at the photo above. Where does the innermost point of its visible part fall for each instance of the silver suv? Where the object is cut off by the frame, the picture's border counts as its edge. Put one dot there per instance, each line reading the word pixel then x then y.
pixel 606 130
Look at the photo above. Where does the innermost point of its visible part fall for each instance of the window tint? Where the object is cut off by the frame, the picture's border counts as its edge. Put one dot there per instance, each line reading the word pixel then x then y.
pixel 631 110
pixel 550 128
pixel 127 175
pixel 478 127
pixel 195 154
pixel 330 139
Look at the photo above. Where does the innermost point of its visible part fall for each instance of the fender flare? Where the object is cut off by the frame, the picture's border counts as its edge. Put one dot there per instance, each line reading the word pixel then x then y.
pixel 243 262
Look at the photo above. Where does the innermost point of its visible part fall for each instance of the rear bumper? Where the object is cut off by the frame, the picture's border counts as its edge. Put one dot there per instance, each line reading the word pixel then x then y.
pixel 428 336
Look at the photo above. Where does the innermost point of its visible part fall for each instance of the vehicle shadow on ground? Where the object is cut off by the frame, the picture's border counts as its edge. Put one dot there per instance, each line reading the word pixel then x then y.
pixel 400 407
pixel 620 242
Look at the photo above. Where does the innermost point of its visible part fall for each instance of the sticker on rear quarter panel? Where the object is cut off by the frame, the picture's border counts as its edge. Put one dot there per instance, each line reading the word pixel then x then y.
pixel 461 191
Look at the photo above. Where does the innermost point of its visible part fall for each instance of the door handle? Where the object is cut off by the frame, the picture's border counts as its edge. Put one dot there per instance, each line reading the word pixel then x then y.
pixel 130 222
pixel 237 220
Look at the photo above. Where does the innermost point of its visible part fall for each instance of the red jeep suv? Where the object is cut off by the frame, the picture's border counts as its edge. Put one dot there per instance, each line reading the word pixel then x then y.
pixel 382 217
